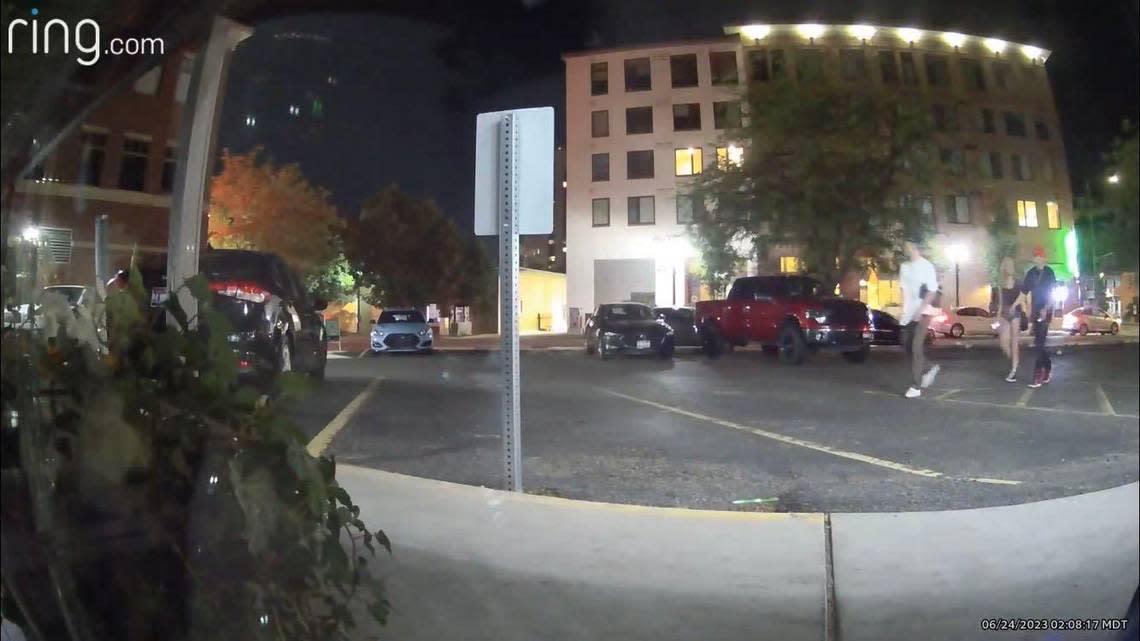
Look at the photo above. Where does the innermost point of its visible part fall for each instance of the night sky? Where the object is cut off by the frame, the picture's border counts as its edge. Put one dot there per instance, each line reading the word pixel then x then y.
pixel 407 87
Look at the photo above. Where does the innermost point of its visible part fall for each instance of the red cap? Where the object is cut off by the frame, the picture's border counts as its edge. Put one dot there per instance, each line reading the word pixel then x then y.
pixel 1038 250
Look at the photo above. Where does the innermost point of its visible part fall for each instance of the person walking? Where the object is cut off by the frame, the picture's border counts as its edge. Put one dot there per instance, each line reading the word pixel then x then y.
pixel 1039 283
pixel 1011 311
pixel 919 284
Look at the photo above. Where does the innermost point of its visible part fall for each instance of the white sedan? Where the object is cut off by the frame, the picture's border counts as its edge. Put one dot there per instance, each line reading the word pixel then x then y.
pixel 956 323
pixel 1090 319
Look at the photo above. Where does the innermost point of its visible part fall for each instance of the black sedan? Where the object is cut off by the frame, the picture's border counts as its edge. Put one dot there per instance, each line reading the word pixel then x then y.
pixel 627 328
pixel 684 324
pixel 885 329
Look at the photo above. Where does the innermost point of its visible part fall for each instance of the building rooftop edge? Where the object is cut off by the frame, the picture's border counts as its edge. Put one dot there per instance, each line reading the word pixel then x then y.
pixel 725 39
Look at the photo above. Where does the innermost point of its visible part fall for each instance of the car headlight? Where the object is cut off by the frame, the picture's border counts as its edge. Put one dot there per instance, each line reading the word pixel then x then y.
pixel 377 333
pixel 424 332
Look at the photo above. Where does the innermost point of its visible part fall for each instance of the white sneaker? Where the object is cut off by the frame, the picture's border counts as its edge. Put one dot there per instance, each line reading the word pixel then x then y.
pixel 1012 378
pixel 913 392
pixel 929 376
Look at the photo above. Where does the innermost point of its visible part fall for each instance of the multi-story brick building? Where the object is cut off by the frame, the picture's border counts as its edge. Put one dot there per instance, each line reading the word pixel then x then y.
pixel 641 121
pixel 119 162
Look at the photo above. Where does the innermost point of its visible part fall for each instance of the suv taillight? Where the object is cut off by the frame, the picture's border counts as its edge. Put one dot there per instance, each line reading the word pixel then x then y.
pixel 241 290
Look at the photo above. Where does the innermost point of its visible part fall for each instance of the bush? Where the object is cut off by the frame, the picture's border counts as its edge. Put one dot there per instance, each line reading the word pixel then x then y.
pixel 152 497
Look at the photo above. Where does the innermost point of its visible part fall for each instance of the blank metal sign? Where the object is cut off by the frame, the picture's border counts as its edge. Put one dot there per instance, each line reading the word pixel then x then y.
pixel 536 170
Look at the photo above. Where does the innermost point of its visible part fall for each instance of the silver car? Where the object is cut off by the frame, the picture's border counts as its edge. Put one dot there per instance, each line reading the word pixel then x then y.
pixel 401 330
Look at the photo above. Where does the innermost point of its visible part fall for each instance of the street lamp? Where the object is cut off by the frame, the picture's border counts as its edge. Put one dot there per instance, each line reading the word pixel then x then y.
pixel 30 234
pixel 1114 179
pixel 959 254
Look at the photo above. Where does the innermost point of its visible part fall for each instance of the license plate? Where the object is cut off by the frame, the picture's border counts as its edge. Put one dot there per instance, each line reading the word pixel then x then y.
pixel 866 336
pixel 158 296
pixel 642 344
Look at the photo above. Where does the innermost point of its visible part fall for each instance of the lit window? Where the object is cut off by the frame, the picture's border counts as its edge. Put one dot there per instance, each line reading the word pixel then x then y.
pixel 689 161
pixel 1053 215
pixel 601 212
pixel 1026 213
pixel 789 264
pixel 732 154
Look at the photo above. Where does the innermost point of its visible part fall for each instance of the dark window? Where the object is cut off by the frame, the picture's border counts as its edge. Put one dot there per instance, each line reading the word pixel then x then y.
pixel 639 164
pixel 641 210
pixel 600 123
pixel 1042 130
pixel 637 75
pixel 958 209
pixel 888 68
pixel 599 79
pixel 132 169
pixel 723 67
pixel 853 64
pixel 687 117
pixel 952 161
pixel 945 118
pixel 758 65
pixel 996 169
pixel 683 70
pixel 601 212
pixel 909 70
pixel 937 70
pixel 600 167
pixel 1014 124
pixel 1020 167
pixel 639 120
pixel 809 64
pixel 726 115
pixel 687 206
pixel 93 153
pixel 1002 75
pixel 778 64
pixel 169 163
pixel 988 123
pixel 972 74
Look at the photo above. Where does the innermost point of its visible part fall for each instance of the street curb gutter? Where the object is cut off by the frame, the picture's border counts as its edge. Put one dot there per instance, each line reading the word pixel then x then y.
pixel 830 615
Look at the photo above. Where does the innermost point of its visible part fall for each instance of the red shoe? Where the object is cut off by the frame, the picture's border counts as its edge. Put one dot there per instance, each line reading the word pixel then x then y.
pixel 1038 379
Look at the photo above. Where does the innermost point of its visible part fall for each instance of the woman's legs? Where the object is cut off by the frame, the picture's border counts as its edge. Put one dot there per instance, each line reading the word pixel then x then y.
pixel 1014 345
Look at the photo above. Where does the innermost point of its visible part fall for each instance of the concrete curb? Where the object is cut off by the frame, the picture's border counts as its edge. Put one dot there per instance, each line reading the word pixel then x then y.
pixel 507 566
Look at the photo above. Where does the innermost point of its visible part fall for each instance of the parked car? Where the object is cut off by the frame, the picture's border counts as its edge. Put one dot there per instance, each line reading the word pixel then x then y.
pixel 956 323
pixel 627 328
pixel 788 315
pixel 1090 319
pixel 401 330
pixel 277 327
pixel 20 315
pixel 886 330
pixel 683 321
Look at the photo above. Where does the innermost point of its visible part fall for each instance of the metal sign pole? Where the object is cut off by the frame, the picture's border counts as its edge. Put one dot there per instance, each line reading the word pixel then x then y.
pixel 509 299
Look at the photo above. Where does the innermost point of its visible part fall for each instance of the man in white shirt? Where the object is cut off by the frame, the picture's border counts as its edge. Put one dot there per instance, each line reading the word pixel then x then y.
pixel 919 284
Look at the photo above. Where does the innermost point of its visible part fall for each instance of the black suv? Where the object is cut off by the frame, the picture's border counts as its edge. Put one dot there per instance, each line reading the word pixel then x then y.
pixel 277 326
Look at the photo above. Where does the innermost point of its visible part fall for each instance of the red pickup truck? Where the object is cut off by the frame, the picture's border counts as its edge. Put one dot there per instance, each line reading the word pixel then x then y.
pixel 788 315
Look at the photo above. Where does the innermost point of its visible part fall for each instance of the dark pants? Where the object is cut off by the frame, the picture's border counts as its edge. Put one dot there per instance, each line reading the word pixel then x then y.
pixel 914 339
pixel 1040 333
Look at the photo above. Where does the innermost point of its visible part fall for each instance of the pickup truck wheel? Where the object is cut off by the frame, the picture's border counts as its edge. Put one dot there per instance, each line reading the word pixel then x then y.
pixel 858 356
pixel 603 353
pixel 711 342
pixel 793 349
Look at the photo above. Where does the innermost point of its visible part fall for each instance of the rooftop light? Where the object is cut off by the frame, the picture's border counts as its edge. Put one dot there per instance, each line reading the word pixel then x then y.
pixel 862 31
pixel 954 39
pixel 1031 52
pixel 811 30
pixel 910 35
pixel 756 31
pixel 995 45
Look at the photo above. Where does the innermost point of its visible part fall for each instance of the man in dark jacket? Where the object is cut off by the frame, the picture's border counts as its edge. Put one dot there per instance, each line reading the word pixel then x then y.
pixel 1039 283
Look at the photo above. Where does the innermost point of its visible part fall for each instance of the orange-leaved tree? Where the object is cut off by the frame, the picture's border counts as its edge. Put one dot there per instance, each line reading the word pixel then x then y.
pixel 256 204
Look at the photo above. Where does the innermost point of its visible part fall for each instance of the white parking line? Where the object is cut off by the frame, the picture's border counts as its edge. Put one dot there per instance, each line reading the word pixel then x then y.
pixel 1023 400
pixel 1052 410
pixel 1105 404
pixel 363 352
pixel 855 456
pixel 324 438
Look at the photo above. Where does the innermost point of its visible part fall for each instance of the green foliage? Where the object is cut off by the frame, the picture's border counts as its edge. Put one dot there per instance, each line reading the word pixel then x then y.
pixel 410 254
pixel 334 282
pixel 1001 242
pixel 1122 199
pixel 827 168
pixel 229 528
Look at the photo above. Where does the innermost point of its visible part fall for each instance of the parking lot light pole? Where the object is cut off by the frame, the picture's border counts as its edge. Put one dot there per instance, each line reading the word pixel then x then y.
pixel 957 253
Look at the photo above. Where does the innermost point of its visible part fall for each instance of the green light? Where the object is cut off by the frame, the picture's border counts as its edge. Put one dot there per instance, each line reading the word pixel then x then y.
pixel 1071 259
pixel 318 108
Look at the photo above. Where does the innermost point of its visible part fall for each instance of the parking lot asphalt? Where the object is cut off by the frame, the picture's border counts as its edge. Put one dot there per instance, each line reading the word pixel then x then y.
pixel 694 432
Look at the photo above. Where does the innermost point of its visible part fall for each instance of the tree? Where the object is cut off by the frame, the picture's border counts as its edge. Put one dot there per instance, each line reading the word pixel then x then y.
pixel 826 168
pixel 1001 242
pixel 1122 198
pixel 410 254
pixel 255 204
pixel 333 282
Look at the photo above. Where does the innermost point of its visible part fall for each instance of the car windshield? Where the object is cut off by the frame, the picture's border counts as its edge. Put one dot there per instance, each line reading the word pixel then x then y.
pixel 237 266
pixel 405 316
pixel 626 312
pixel 72 294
